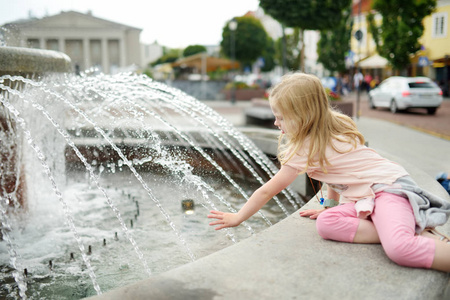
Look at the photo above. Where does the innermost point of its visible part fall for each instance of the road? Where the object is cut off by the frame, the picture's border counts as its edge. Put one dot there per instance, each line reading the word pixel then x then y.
pixel 437 125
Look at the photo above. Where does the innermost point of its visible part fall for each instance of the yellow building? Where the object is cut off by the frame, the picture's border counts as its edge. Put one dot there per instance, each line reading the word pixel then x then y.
pixel 365 54
pixel 433 60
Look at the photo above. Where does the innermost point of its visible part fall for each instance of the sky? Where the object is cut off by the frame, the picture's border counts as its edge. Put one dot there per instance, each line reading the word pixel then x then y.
pixel 172 23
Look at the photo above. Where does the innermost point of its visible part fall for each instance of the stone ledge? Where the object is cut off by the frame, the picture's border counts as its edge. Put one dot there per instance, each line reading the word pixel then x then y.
pixel 260 114
pixel 23 60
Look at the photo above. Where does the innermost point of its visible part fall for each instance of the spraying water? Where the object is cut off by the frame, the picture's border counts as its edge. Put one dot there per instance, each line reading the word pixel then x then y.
pixel 108 161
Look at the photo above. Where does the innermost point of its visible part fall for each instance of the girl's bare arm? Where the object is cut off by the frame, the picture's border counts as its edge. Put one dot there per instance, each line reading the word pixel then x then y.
pixel 261 196
pixel 314 213
pixel 332 194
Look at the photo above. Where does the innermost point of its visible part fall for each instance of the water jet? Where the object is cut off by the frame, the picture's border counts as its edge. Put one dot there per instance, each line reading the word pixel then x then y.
pixel 28 63
pixel 102 142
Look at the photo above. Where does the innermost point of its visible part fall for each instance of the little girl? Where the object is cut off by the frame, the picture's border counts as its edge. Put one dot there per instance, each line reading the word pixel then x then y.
pixel 378 200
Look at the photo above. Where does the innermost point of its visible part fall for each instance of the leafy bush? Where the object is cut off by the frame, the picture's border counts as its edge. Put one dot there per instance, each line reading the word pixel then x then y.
pixel 332 96
pixel 239 85
pixel 193 49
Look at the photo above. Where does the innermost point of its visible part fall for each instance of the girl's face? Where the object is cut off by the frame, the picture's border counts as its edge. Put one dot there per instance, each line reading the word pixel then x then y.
pixel 279 120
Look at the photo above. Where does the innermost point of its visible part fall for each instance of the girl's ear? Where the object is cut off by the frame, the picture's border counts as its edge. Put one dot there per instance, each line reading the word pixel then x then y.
pixel 292 125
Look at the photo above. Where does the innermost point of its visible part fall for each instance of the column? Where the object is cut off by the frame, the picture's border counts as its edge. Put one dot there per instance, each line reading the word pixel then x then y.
pixel 42 43
pixel 62 45
pixel 123 52
pixel 86 54
pixel 105 58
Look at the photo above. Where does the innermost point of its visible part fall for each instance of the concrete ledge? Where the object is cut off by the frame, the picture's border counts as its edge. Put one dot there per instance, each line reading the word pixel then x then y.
pixel 36 61
pixel 291 261
pixel 263 113
pixel 259 116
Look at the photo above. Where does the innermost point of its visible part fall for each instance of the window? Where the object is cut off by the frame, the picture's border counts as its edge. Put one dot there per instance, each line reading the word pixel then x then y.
pixel 52 44
pixel 33 43
pixel 421 85
pixel 95 48
pixel 439 25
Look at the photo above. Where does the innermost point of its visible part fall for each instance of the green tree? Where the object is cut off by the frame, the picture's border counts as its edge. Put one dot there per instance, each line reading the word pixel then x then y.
pixel 170 55
pixel 250 39
pixel 397 37
pixel 306 14
pixel 268 55
pixel 334 44
pixel 166 58
pixel 193 49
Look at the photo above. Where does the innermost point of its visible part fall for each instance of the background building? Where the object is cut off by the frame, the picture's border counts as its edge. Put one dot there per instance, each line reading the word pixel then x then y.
pixel 150 53
pixel 89 41
pixel 432 60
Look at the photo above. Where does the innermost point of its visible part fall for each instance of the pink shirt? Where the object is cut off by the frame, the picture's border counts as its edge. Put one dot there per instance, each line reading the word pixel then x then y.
pixel 353 173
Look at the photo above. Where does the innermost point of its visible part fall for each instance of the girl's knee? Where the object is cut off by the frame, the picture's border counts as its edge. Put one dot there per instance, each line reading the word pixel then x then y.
pixel 326 223
pixel 337 224
pixel 411 252
pixel 396 253
pixel 320 225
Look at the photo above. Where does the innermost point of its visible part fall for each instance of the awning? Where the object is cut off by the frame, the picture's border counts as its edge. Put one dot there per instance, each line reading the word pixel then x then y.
pixel 373 62
pixel 441 62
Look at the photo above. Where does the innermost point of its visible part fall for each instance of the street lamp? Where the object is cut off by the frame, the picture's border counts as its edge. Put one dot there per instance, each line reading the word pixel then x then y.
pixel 359 36
pixel 285 31
pixel 232 25
pixel 284 48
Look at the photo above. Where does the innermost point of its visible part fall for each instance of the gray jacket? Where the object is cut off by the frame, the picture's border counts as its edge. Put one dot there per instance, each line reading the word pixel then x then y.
pixel 429 210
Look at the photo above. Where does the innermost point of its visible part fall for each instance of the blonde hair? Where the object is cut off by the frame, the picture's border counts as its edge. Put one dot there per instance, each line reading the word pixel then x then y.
pixel 307 114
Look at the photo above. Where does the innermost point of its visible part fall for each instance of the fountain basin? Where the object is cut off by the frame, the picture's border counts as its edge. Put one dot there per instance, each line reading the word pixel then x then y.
pixel 20 61
pixel 17 61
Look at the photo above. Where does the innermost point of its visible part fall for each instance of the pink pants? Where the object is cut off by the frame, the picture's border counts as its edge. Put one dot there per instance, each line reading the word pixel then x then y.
pixel 394 221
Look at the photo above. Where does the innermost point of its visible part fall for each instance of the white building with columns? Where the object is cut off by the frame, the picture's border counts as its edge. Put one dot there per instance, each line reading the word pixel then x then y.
pixel 89 41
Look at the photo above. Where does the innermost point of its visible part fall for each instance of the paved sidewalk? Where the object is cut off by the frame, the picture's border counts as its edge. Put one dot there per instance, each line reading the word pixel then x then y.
pixel 426 152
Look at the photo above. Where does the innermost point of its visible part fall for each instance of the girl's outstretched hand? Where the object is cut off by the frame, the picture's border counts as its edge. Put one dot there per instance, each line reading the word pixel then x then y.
pixel 224 220
pixel 311 213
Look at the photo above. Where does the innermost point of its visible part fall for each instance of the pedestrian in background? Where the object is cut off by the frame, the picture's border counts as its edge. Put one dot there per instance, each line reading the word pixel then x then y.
pixel 367 80
pixel 358 79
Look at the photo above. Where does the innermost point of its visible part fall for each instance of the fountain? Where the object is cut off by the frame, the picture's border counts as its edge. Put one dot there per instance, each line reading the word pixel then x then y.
pixel 120 174
pixel 27 63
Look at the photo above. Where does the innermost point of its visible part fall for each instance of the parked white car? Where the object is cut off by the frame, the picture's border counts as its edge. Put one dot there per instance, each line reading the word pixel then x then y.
pixel 401 93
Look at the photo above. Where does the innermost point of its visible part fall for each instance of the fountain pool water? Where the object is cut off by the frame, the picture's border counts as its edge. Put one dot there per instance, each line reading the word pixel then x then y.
pixel 108 162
